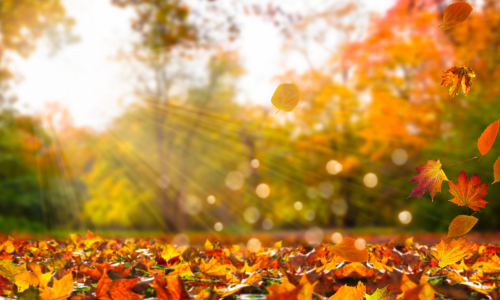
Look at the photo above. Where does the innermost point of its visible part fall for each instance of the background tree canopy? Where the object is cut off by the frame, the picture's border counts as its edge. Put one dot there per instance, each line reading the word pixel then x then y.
pixel 187 154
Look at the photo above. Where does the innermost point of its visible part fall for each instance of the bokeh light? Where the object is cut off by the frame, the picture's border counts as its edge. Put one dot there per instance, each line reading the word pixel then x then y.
pixel 253 245
pixel 337 237
pixel 405 217
pixel 310 214
pixel 314 236
pixel 251 215
pixel 255 163
pixel 370 180
pixel 297 205
pixel 235 180
pixel 267 224
pixel 263 190
pixel 312 192
pixel 399 157
pixel 325 189
pixel 333 167
pixel 339 207
pixel 360 244
pixel 193 205
pixel 218 226
pixel 180 240
pixel 211 199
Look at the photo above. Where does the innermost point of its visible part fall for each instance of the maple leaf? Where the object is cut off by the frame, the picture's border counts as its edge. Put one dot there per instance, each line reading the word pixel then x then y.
pixel 461 225
pixel 382 294
pixel 456 76
pixel 61 290
pixel 469 193
pixel 488 137
pixel 349 292
pixel 448 254
pixel 348 251
pixel 25 279
pixel 455 14
pixel 430 178
pixel 286 97
pixel 108 289
pixel 214 268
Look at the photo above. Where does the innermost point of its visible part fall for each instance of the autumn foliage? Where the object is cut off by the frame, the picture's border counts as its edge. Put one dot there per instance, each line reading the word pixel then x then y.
pixel 93 267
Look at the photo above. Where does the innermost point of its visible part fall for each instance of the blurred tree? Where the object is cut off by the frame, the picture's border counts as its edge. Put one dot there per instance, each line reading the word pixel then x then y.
pixel 167 30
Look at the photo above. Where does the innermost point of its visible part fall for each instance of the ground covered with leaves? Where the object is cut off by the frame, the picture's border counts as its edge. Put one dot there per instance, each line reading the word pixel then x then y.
pixel 92 267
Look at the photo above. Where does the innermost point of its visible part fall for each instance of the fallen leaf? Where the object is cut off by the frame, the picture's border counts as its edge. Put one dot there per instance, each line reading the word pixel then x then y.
pixel 108 289
pixel 286 97
pixel 171 288
pixel 430 178
pixel 451 253
pixel 348 251
pixel 349 292
pixel 455 14
pixel 468 192
pixel 209 246
pixel 456 76
pixel 25 279
pixel 488 137
pixel 287 295
pixel 461 225
pixel 382 294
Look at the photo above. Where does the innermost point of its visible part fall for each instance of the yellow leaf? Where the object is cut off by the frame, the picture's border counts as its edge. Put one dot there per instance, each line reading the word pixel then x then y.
pixel 453 252
pixel 9 271
pixel 461 225
pixel 214 268
pixel 286 97
pixel 63 287
pixel 278 245
pixel 25 279
pixel 209 246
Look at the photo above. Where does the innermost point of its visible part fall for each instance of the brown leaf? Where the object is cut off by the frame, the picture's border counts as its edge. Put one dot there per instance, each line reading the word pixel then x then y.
pixel 455 14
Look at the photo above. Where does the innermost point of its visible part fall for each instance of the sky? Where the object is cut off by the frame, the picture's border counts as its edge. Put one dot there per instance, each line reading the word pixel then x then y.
pixel 87 78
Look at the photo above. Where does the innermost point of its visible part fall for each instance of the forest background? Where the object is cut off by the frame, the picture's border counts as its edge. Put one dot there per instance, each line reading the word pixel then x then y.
pixel 187 156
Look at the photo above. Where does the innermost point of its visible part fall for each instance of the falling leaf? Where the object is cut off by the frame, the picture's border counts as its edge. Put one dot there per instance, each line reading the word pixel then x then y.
pixel 286 97
pixel 349 292
pixel 469 193
pixel 448 254
pixel 430 178
pixel 456 76
pixel 496 170
pixel 287 295
pixel 461 225
pixel 488 137
pixel 455 14
pixel 348 251
pixel 382 294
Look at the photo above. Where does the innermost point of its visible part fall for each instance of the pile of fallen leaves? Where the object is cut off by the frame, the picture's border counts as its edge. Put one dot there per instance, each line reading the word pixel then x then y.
pixel 92 267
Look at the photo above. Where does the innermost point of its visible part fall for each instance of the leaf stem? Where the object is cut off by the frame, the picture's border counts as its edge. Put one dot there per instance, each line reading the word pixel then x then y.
pixel 461 161
pixel 277 111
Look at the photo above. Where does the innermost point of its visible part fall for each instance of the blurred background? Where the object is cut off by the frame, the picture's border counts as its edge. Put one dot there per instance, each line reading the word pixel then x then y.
pixel 155 115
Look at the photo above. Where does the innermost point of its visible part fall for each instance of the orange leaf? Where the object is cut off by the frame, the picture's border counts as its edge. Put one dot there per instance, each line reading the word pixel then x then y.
pixel 453 252
pixel 286 97
pixel 488 137
pixel 349 292
pixel 469 193
pixel 455 14
pixel 430 178
pixel 348 251
pixel 461 225
pixel 108 289
pixel 287 295
pixel 456 76
pixel 496 170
